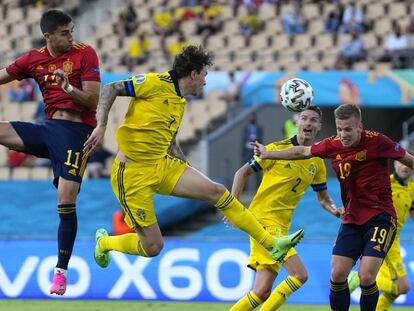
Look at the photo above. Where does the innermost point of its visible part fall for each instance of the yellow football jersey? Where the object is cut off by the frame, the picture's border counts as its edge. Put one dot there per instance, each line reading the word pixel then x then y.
pixel 154 116
pixel 284 183
pixel 403 198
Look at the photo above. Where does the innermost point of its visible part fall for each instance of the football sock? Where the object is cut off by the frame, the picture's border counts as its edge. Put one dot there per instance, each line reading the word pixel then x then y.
pixel 385 301
pixel 387 286
pixel 369 297
pixel 281 293
pixel 247 303
pixel 66 235
pixel 339 297
pixel 242 218
pixel 128 243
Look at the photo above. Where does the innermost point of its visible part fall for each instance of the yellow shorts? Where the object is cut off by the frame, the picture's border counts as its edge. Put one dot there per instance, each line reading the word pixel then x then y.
pixel 393 265
pixel 259 257
pixel 134 184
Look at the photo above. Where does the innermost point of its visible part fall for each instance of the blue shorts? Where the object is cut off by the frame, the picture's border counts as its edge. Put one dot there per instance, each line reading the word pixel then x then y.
pixel 373 238
pixel 60 141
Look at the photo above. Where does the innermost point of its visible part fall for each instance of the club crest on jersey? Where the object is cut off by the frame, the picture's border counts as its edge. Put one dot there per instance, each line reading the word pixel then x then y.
pixel 311 170
pixel 361 156
pixel 51 67
pixel 67 67
pixel 140 79
pixel 141 214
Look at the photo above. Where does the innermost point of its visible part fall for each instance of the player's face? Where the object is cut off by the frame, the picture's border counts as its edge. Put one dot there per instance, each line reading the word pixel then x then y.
pixel 198 81
pixel 309 124
pixel 61 39
pixel 349 131
pixel 404 172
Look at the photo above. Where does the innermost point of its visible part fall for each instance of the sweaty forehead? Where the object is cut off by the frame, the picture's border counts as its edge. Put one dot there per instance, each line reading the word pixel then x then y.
pixel 310 114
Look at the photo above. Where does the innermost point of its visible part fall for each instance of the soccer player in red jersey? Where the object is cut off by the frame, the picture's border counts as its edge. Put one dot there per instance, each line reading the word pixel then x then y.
pixel 361 160
pixel 69 79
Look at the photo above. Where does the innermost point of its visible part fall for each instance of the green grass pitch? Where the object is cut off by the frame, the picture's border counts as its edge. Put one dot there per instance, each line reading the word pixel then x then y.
pixel 110 305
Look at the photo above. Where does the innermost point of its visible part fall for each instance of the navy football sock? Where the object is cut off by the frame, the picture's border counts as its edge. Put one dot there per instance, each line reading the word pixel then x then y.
pixel 68 227
pixel 369 297
pixel 339 296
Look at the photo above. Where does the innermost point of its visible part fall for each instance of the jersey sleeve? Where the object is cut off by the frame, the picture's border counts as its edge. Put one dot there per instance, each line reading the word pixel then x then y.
pixel 387 148
pixel 320 148
pixel 20 68
pixel 319 182
pixel 90 66
pixel 141 86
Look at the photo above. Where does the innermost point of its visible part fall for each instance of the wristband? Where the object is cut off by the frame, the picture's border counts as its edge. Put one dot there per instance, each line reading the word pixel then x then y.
pixel 68 89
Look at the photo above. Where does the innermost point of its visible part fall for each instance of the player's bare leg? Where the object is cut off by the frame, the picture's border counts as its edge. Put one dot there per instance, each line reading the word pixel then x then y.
pixel 9 137
pixel 195 185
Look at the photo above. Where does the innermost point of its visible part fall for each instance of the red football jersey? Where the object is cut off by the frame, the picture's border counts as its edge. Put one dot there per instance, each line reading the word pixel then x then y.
pixel 80 64
pixel 363 173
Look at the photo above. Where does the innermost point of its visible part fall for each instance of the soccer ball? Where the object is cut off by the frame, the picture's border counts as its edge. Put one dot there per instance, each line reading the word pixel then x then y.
pixel 296 95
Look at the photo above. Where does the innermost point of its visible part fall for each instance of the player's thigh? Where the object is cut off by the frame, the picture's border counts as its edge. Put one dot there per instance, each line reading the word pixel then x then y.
pixel 9 137
pixel 67 191
pixel 349 242
pixel 150 237
pixel 263 282
pixel 134 186
pixel 195 185
pixel 296 268
pixel 341 266
pixel 368 269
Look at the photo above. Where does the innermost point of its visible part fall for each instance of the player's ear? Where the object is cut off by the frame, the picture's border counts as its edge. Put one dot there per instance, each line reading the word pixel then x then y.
pixel 193 74
pixel 46 35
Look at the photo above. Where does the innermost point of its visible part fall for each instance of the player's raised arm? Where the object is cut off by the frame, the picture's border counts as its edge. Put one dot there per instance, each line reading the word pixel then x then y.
pixel 5 77
pixel 293 153
pixel 108 95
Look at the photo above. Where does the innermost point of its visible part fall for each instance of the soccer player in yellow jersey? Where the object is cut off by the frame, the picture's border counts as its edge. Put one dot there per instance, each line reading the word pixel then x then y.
pixel 284 183
pixel 149 161
pixel 392 277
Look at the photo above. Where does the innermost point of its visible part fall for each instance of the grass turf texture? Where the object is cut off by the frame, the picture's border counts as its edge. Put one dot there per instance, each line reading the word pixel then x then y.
pixel 110 305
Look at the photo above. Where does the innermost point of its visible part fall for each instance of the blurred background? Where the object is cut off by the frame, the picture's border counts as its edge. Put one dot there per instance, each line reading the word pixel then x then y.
pixel 350 51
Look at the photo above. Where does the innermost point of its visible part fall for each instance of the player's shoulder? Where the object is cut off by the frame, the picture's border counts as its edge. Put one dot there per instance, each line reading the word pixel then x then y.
pixel 82 46
pixel 372 134
pixel 280 144
pixel 164 77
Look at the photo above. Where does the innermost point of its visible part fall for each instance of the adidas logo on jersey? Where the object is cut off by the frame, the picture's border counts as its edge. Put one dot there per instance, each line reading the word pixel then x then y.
pixel 377 248
pixel 72 172
pixel 338 157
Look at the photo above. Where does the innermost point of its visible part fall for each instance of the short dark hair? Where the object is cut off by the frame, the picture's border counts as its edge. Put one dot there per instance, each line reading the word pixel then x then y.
pixel 52 19
pixel 316 109
pixel 191 58
pixel 347 111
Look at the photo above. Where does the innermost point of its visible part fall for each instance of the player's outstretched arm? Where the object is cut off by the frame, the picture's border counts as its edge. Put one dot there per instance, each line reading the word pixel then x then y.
pixel 5 77
pixel 407 160
pixel 328 204
pixel 108 95
pixel 293 153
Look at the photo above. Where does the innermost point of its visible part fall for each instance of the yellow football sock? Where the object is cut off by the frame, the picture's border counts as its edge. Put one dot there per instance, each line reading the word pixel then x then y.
pixel 128 243
pixel 387 285
pixel 243 219
pixel 247 303
pixel 281 293
pixel 385 301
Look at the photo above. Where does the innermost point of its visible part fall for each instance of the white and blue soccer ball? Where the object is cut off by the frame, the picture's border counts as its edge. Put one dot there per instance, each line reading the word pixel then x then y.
pixel 296 95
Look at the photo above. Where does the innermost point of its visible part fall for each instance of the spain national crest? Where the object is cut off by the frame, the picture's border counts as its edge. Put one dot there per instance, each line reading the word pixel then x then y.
pixel 361 156
pixel 67 67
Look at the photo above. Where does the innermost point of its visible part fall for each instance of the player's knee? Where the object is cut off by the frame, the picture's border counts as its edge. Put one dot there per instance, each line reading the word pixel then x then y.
pixel 154 249
pixel 216 192
pixel 403 288
pixel 338 275
pixel 367 278
pixel 301 276
pixel 263 293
